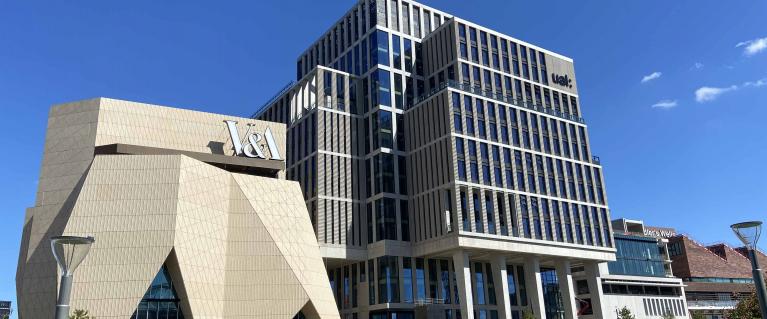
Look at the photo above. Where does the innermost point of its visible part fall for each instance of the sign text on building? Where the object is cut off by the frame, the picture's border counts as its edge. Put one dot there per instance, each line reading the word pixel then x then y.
pixel 562 80
pixel 251 146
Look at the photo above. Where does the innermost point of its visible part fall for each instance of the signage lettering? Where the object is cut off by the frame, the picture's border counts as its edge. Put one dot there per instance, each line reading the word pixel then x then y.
pixel 562 80
pixel 659 233
pixel 253 148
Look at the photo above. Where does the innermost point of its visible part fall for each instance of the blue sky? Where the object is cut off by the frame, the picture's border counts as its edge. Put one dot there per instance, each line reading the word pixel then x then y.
pixel 693 162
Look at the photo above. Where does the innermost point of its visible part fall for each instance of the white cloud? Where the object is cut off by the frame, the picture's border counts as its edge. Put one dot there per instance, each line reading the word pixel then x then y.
pixel 651 77
pixel 707 94
pixel 665 104
pixel 753 46
pixel 756 84
pixel 697 66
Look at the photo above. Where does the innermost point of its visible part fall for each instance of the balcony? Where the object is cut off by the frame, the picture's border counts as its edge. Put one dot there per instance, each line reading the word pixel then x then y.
pixel 712 304
pixel 714 300
pixel 498 97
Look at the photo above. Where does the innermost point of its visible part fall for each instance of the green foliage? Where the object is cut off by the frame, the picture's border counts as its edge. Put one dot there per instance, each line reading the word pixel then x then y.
pixel 625 313
pixel 746 309
pixel 80 314
pixel 668 314
pixel 528 314
pixel 697 315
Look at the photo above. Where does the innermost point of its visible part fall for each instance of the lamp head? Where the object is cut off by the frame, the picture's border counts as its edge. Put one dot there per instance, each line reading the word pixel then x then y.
pixel 748 232
pixel 70 251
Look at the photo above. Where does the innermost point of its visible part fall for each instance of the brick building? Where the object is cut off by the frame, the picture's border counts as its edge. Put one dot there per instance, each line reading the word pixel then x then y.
pixel 717 276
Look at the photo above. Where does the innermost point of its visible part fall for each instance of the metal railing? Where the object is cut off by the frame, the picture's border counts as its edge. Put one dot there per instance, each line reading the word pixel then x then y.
pixel 714 300
pixel 712 303
pixel 498 97
pixel 426 301
pixel 273 98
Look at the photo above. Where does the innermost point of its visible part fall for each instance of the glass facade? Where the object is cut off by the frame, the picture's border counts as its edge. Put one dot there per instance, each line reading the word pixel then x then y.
pixel 637 256
pixel 552 298
pixel 160 300
pixel 541 183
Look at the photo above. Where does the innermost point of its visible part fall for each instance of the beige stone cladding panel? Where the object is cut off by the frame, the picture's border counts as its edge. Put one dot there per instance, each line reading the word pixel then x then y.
pixel 201 235
pixel 164 127
pixel 129 204
pixel 280 206
pixel 260 281
pixel 67 154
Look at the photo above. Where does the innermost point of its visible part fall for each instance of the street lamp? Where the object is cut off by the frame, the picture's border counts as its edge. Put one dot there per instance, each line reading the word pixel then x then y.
pixel 748 233
pixel 69 252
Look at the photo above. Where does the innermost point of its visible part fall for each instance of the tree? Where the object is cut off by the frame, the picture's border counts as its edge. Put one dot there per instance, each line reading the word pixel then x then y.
pixel 747 308
pixel 668 314
pixel 697 315
pixel 625 313
pixel 527 314
pixel 80 314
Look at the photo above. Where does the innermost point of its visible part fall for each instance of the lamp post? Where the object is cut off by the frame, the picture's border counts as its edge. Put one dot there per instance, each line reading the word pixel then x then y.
pixel 748 233
pixel 69 252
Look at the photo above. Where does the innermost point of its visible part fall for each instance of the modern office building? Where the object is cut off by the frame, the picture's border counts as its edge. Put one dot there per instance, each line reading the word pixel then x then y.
pixel 183 228
pixel 446 167
pixel 641 277
pixel 716 276
pixel 5 309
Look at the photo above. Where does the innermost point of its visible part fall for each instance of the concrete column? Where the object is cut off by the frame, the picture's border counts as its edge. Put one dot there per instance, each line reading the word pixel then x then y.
pixel 535 287
pixel 566 289
pixel 463 278
pixel 501 287
pixel 594 279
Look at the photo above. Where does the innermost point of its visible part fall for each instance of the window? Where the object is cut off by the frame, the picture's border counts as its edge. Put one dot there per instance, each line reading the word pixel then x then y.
pixel 404 220
pixel 160 300
pixel 536 217
pixel 502 214
pixel 371 283
pixel 513 216
pixel 490 213
pixel 459 150
pixel 408 55
pixel 552 298
pixel 420 279
pixel 485 163
pixel 675 249
pixel 637 256
pixel 398 103
pixel 388 279
pixel 385 128
pixel 445 278
pixel 379 44
pixel 477 213
pixel 512 286
pixel 479 283
pixel 568 220
pixel 396 52
pixel 464 212
pixel 407 279
pixel 473 161
pixel 525 216
pixel 382 81
pixel 557 220
pixel 386 219
pixel 497 166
